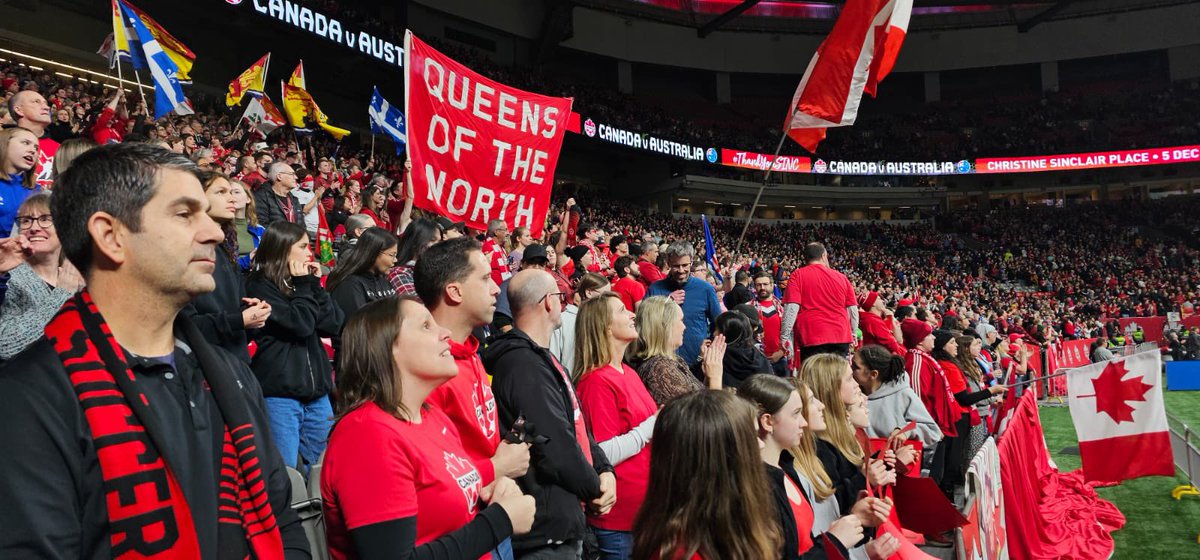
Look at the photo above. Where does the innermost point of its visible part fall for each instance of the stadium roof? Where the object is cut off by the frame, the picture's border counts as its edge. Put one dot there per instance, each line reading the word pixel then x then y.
pixel 816 16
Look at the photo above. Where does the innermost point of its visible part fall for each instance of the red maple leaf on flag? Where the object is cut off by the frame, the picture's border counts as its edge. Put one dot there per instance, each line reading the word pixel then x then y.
pixel 1113 394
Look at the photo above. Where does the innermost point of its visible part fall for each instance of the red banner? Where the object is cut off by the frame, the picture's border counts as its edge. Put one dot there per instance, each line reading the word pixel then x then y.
pixel 1074 353
pixel 1063 162
pixel 480 150
pixel 1049 514
pixel 762 162
pixel 1152 327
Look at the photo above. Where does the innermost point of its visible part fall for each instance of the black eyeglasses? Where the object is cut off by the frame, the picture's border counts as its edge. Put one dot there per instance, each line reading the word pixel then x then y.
pixel 26 222
pixel 562 297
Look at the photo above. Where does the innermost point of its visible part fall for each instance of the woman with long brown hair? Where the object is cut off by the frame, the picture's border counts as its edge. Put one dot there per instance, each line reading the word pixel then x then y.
pixel 620 411
pixel 396 480
pixel 780 422
pixel 374 204
pixel 707 435
pixel 225 315
pixel 291 363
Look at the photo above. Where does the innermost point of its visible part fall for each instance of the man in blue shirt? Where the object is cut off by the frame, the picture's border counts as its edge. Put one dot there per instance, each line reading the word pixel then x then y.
pixel 697 298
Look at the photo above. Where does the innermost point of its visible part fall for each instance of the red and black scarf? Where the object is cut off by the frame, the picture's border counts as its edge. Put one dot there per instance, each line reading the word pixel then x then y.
pixel 148 514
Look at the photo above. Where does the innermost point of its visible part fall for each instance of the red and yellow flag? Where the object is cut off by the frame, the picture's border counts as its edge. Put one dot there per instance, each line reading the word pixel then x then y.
pixel 299 106
pixel 254 79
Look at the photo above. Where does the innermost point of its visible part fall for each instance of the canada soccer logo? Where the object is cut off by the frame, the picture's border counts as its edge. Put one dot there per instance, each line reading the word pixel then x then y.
pixel 589 128
pixel 820 166
pixel 466 476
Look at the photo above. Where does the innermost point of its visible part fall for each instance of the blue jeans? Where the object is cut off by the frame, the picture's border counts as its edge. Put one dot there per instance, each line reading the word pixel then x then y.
pixel 614 545
pixel 504 551
pixel 300 428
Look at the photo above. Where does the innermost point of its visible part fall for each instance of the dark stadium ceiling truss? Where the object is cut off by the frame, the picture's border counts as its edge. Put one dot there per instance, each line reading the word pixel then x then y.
pixel 816 16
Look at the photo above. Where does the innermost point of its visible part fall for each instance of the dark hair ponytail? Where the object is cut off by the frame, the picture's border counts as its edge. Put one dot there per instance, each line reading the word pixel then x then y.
pixel 878 358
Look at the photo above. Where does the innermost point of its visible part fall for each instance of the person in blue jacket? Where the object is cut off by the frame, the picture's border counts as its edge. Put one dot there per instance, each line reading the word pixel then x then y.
pixel 18 156
pixel 697 298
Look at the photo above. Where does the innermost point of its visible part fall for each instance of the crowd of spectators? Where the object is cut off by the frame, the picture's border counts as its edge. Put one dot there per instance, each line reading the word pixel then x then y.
pixel 450 383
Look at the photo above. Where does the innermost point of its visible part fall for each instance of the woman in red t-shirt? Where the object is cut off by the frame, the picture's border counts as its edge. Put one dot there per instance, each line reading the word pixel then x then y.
pixel 620 411
pixel 396 481
pixel 683 522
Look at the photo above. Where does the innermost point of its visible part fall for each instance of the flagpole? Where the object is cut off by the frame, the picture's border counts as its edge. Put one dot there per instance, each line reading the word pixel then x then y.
pixel 141 90
pixel 767 177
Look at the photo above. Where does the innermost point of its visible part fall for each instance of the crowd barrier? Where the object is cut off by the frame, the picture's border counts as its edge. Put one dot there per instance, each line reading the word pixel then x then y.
pixel 1185 448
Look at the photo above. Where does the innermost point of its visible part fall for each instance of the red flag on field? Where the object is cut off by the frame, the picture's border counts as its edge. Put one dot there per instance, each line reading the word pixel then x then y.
pixel 844 65
pixel 1117 409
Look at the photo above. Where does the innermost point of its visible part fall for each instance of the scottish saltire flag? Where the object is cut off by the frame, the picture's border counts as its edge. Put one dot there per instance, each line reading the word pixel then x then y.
pixel 710 251
pixel 388 119
pixel 168 92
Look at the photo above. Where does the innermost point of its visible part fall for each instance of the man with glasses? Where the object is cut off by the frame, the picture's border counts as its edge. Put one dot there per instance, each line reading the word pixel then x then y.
pixel 275 201
pixel 534 257
pixel 697 298
pixel 567 467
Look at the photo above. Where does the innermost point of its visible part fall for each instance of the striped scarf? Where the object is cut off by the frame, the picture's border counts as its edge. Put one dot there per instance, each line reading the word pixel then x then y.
pixel 148 514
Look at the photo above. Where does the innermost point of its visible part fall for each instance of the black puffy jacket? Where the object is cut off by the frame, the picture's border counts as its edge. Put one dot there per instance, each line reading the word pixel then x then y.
pixel 291 362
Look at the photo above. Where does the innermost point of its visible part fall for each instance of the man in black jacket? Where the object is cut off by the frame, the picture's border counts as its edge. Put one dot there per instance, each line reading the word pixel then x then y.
pixel 528 381
pixel 147 415
pixel 274 200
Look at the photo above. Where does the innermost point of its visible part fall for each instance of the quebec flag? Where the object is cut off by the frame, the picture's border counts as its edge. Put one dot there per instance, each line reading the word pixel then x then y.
pixel 387 119
pixel 168 92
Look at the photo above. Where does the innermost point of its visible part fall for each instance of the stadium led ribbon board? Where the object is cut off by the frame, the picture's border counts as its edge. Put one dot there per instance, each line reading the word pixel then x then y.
pixel 746 159
pixel 306 19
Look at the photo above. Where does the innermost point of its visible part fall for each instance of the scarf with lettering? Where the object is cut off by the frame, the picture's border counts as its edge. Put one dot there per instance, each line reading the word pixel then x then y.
pixel 148 514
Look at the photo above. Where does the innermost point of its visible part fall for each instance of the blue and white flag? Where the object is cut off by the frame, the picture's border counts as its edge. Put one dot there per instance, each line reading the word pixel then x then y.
pixel 710 251
pixel 387 119
pixel 168 92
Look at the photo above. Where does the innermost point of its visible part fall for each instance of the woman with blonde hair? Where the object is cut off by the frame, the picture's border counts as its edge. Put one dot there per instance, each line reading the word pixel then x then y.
pixel 684 524
pixel 620 411
pixel 68 151
pixel 831 381
pixel 660 333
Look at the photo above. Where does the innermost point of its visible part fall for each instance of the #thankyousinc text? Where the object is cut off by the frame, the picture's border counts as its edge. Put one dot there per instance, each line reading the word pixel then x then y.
pixel 480 150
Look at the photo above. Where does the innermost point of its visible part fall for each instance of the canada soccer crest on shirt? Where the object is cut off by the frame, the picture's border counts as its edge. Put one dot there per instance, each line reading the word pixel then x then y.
pixel 466 476
pixel 485 412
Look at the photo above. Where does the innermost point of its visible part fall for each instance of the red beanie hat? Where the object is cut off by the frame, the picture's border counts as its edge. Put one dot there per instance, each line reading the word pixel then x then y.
pixel 865 301
pixel 904 303
pixel 914 331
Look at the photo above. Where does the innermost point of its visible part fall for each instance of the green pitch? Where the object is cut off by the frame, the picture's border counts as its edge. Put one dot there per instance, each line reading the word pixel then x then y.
pixel 1156 525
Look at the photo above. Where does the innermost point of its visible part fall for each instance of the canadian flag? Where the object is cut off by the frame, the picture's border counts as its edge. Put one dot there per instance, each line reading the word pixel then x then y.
pixel 1117 409
pixel 845 65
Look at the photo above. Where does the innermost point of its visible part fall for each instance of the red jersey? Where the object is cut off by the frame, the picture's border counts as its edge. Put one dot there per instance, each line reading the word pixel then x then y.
pixel 958 384
pixel 823 295
pixel 616 402
pixel 253 180
pixel 630 290
pixel 770 313
pixel 930 383
pixel 877 331
pixel 497 259
pixel 45 163
pixel 467 400
pixel 379 468
pixel 650 272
